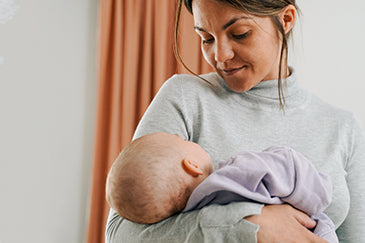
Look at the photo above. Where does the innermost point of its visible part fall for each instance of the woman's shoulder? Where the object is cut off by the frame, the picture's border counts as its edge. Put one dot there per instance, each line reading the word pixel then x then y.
pixel 331 111
pixel 192 82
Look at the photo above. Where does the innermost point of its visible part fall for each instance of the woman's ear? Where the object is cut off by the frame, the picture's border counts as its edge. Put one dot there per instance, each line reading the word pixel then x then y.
pixel 192 167
pixel 287 17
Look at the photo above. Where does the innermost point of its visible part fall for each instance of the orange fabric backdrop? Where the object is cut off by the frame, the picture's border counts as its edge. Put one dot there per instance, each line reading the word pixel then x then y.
pixel 135 58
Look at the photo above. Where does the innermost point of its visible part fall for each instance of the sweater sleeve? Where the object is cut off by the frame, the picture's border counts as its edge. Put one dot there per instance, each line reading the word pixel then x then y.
pixel 352 229
pixel 167 113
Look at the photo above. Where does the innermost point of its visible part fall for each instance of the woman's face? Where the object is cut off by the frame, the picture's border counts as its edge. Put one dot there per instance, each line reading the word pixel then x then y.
pixel 243 49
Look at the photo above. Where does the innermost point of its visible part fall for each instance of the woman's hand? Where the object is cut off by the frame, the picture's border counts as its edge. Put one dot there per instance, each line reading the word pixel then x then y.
pixel 284 224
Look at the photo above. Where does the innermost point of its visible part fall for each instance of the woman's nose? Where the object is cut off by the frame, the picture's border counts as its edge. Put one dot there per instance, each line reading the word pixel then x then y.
pixel 223 51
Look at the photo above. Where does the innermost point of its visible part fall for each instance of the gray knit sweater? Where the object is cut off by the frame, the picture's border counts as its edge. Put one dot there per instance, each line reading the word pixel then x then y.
pixel 224 122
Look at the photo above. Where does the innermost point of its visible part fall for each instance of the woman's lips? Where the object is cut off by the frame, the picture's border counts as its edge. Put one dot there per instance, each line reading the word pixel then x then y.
pixel 232 71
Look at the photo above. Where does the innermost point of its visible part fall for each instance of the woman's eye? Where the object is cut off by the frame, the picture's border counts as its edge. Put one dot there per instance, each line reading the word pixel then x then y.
pixel 240 37
pixel 207 41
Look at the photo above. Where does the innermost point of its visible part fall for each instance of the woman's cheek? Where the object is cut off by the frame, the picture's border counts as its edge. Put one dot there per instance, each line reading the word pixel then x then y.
pixel 208 56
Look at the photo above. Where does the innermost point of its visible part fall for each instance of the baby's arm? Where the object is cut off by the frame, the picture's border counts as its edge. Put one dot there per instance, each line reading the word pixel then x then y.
pixel 312 190
pixel 276 175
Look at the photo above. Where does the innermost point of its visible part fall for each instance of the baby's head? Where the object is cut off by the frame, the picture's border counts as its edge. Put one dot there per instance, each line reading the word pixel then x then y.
pixel 154 175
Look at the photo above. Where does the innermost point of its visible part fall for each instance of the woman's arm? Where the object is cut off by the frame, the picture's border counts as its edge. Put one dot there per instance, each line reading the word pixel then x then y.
pixel 211 224
pixel 352 229
pixel 168 113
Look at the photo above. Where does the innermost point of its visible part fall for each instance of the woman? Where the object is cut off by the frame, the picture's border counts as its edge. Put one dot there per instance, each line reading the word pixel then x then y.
pixel 251 102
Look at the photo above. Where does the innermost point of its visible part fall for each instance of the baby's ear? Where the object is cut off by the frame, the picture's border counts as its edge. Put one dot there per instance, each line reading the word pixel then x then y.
pixel 192 167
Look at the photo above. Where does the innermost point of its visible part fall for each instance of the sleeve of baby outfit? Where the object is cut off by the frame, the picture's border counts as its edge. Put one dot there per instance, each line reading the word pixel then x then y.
pixel 276 175
pixel 312 191
pixel 352 229
pixel 167 113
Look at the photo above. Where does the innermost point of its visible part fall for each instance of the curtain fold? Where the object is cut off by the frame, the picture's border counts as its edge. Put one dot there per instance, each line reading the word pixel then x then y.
pixel 135 57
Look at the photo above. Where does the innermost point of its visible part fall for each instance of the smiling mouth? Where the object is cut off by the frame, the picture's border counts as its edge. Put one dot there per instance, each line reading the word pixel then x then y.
pixel 232 71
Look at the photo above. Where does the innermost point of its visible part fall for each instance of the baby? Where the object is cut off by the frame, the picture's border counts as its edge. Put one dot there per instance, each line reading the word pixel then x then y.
pixel 160 174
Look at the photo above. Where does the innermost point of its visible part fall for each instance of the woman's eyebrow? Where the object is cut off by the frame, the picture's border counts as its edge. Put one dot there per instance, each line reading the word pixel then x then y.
pixel 225 26
pixel 232 21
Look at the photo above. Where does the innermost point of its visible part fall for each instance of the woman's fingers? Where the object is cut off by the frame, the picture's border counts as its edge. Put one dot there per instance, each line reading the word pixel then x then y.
pixel 284 224
pixel 304 219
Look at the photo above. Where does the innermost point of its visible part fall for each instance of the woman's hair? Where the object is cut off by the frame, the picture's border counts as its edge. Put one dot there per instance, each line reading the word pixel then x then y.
pixel 267 8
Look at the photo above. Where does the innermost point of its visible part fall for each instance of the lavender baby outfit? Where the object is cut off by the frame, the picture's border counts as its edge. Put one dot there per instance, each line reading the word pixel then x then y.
pixel 276 175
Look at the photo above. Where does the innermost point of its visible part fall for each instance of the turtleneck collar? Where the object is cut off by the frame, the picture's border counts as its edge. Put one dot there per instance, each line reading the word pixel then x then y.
pixel 265 95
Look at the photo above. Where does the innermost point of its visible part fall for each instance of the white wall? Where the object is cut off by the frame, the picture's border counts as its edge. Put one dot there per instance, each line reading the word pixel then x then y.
pixel 330 52
pixel 47 107
pixel 47 102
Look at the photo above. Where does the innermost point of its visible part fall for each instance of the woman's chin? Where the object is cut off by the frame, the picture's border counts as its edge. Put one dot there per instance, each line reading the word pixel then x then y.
pixel 238 84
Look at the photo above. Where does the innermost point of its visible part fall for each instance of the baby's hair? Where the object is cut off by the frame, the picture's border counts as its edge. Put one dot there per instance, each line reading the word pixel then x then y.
pixel 144 185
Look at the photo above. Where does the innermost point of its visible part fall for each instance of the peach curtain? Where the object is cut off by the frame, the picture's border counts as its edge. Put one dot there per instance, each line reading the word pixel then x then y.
pixel 135 58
